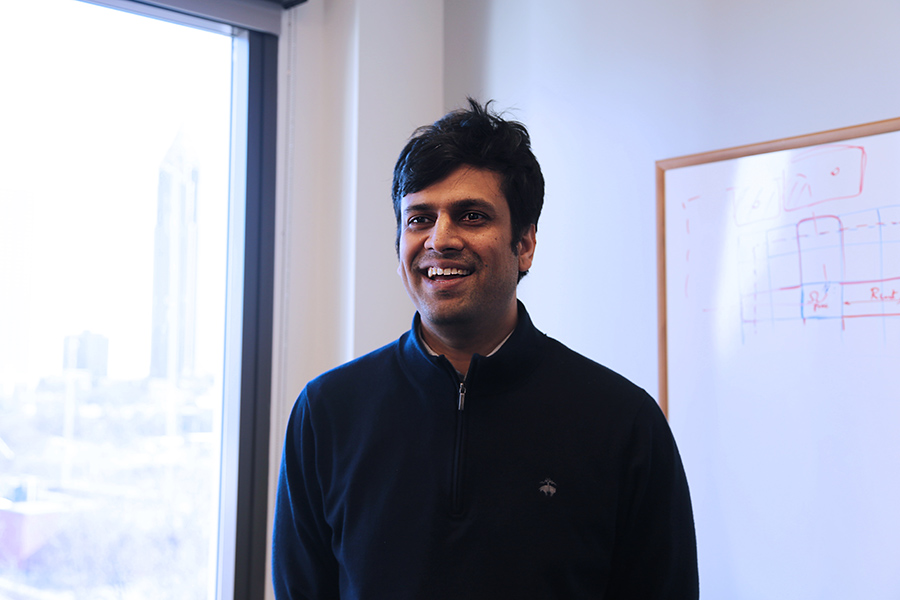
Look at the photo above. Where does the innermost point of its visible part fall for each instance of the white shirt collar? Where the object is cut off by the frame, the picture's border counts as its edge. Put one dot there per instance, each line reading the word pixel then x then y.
pixel 433 353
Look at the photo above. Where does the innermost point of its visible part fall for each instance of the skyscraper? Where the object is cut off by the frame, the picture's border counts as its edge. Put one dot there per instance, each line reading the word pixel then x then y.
pixel 173 339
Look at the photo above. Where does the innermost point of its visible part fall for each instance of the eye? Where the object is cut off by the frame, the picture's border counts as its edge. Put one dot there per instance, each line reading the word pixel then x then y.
pixel 473 217
pixel 418 221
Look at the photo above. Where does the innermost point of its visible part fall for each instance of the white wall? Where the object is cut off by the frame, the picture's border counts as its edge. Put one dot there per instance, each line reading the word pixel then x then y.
pixel 782 69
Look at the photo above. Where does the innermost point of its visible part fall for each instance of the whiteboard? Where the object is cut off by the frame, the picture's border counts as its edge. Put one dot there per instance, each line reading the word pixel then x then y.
pixel 780 361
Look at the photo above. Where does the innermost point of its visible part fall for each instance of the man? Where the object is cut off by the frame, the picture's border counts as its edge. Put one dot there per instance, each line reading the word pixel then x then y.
pixel 476 457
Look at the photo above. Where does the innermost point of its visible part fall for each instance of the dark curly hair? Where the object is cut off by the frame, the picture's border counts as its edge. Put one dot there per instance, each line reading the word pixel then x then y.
pixel 480 138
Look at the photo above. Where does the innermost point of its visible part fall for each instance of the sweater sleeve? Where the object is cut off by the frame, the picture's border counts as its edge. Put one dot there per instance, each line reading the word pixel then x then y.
pixel 303 563
pixel 655 554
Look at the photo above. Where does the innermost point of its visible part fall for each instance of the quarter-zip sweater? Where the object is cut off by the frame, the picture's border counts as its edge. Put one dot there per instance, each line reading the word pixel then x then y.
pixel 542 475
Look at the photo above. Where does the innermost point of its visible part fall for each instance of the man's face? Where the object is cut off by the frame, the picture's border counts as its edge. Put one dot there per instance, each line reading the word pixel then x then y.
pixel 455 250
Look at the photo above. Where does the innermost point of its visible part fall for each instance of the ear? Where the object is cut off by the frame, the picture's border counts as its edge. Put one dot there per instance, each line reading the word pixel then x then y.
pixel 526 248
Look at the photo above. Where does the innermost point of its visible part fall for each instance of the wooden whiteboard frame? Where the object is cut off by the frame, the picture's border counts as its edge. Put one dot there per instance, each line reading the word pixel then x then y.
pixel 814 139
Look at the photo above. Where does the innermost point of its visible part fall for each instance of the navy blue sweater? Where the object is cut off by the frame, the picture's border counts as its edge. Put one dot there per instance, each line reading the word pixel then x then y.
pixel 543 475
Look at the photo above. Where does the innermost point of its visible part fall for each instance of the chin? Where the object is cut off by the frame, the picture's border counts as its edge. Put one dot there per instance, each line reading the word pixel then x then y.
pixel 446 316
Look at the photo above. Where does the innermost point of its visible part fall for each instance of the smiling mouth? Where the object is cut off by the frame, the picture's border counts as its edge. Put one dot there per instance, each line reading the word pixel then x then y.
pixel 449 272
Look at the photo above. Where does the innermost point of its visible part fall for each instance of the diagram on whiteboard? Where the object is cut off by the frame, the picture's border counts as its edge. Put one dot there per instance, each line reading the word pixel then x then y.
pixel 810 235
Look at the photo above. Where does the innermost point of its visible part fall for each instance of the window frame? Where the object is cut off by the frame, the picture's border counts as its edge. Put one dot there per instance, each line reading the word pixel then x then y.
pixel 259 275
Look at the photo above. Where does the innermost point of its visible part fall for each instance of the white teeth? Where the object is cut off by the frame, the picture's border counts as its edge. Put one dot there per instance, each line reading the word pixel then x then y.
pixel 434 271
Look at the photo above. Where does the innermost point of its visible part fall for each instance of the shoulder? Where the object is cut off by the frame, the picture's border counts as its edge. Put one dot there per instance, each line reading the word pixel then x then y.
pixel 343 396
pixel 619 411
pixel 361 373
pixel 592 384
pixel 580 370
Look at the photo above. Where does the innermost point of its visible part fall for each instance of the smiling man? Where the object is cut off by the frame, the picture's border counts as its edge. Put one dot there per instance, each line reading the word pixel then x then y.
pixel 475 457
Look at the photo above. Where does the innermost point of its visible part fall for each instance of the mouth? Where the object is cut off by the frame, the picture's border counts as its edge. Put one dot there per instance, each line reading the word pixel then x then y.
pixel 435 273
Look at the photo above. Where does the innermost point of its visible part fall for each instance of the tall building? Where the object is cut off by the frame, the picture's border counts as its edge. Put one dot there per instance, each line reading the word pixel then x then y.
pixel 173 341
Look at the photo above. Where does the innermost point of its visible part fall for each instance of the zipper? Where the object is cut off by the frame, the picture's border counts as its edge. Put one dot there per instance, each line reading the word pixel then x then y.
pixel 459 452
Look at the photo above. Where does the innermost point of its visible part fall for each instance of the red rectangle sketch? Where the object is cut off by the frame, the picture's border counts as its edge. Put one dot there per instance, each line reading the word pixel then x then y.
pixel 832 172
pixel 820 249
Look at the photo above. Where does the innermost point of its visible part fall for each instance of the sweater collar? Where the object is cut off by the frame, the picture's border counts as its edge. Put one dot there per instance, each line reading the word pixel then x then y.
pixel 506 367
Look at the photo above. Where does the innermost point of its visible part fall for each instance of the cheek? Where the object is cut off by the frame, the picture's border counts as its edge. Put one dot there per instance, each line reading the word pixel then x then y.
pixel 500 248
pixel 406 256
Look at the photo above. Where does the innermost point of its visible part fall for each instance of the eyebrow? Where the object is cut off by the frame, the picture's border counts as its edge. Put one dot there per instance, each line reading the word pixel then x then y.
pixel 456 205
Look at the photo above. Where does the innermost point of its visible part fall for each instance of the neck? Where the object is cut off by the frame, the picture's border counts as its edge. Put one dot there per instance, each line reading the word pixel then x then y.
pixel 458 343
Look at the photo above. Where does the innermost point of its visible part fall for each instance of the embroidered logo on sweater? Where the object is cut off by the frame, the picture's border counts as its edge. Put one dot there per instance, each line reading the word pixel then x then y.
pixel 548 487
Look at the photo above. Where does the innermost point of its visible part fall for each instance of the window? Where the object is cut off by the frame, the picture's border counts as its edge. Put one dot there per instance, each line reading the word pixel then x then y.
pixel 136 226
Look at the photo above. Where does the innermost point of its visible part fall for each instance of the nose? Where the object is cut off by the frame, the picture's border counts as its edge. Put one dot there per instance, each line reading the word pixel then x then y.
pixel 444 235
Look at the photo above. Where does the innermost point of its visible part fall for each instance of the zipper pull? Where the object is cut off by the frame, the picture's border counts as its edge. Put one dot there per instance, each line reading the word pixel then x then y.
pixel 462 395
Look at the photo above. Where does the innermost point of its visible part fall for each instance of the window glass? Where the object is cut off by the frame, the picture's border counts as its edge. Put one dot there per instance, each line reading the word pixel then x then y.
pixel 114 197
